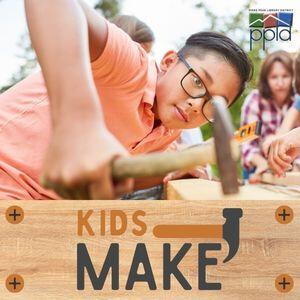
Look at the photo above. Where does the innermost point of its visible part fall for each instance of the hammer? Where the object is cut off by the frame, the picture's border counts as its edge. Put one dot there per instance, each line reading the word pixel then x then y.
pixel 229 231
pixel 224 151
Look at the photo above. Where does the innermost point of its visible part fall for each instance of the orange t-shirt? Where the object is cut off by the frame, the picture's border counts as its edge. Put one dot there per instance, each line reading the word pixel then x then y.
pixel 125 78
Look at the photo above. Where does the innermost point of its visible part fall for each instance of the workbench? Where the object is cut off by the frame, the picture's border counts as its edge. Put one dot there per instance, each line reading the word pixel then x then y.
pixel 200 189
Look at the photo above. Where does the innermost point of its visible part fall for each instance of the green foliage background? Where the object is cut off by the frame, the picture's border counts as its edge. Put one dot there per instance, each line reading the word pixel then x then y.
pixel 108 8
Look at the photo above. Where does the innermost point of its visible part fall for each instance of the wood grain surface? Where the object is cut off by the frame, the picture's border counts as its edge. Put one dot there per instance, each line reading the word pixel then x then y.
pixel 42 249
pixel 200 189
pixel 291 179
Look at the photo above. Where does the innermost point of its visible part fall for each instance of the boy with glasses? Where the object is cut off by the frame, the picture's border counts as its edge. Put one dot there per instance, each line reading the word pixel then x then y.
pixel 100 96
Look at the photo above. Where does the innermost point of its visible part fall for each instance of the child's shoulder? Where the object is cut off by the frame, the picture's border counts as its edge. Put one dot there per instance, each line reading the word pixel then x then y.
pixel 122 59
pixel 254 96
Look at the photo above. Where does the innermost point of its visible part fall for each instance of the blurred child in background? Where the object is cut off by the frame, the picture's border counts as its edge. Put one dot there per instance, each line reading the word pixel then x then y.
pixel 292 117
pixel 287 141
pixel 139 31
pixel 268 104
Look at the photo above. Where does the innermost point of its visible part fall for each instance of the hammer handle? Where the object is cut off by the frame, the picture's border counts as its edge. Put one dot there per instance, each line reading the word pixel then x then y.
pixel 158 164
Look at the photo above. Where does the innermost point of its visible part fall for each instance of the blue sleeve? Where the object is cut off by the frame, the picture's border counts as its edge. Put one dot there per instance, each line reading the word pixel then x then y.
pixel 297 102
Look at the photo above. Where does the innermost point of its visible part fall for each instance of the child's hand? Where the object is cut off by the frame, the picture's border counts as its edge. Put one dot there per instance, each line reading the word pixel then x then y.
pixel 283 151
pixel 267 143
pixel 78 162
pixel 260 169
pixel 199 172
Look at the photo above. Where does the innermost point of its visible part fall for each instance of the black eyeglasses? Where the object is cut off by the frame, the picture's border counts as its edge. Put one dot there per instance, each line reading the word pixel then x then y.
pixel 195 88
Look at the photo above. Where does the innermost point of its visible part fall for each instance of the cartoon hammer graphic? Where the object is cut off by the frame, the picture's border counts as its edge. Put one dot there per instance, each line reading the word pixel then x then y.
pixel 229 231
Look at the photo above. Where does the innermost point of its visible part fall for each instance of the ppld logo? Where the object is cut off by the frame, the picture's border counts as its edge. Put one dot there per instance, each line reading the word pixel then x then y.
pixel 270 26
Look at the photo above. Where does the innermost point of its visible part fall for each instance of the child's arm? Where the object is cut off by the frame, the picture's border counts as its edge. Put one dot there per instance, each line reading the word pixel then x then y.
pixel 261 165
pixel 66 35
pixel 283 151
pixel 289 121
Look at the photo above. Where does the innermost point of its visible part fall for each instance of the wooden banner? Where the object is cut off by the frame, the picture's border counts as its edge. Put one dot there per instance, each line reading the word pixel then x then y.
pixel 43 245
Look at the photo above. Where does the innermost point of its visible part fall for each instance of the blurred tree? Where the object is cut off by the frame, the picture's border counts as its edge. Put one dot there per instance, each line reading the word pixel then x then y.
pixel 29 62
pixel 234 26
pixel 109 8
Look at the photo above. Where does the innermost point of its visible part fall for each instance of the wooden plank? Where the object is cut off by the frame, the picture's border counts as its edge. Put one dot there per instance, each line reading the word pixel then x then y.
pixel 200 189
pixel 291 179
pixel 42 249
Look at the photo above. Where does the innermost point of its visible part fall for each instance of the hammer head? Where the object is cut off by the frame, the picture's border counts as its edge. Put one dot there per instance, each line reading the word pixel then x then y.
pixel 231 230
pixel 223 135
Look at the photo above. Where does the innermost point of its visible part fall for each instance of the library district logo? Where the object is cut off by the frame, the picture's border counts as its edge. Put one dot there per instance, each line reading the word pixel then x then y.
pixel 269 25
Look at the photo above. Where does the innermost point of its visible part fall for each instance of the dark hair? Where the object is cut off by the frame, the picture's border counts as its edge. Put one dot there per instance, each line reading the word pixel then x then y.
pixel 282 57
pixel 201 43
pixel 139 31
pixel 297 74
